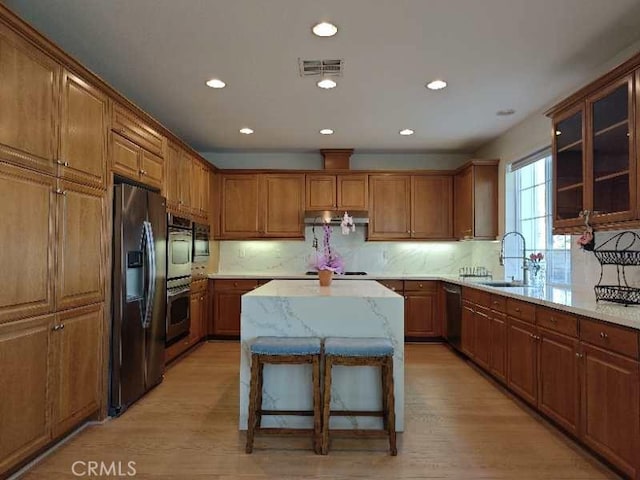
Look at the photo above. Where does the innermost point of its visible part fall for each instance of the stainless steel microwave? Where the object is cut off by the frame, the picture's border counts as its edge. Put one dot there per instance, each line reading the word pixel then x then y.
pixel 179 251
pixel 201 236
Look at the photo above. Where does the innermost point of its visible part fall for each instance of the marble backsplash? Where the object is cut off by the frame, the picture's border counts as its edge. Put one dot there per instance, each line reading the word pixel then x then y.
pixel 268 256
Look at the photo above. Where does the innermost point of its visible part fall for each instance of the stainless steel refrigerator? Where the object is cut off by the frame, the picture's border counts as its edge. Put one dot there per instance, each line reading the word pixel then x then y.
pixel 139 294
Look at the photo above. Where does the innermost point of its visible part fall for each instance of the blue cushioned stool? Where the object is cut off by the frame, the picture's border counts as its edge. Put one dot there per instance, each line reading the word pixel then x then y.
pixel 283 351
pixel 360 352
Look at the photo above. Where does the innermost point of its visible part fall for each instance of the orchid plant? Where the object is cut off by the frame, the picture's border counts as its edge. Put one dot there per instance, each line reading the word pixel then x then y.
pixel 328 259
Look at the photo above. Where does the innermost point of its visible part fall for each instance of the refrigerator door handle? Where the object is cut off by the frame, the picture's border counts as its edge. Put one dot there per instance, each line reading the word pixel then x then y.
pixel 151 274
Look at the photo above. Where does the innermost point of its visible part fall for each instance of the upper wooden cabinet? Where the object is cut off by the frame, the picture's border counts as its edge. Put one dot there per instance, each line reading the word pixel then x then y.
pixel 417 207
pixel 261 206
pixel 199 190
pixel 83 132
pixel 476 201
pixel 184 182
pixel 337 192
pixel 132 161
pixel 29 100
pixel 130 126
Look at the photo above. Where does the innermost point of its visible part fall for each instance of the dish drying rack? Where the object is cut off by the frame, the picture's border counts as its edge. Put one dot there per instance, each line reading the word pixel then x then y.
pixel 621 251
pixel 474 272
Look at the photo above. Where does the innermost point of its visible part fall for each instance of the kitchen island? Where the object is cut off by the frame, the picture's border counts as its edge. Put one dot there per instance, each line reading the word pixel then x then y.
pixel 298 308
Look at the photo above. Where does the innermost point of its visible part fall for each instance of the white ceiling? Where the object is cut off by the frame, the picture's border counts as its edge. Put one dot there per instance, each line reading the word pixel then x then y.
pixel 495 54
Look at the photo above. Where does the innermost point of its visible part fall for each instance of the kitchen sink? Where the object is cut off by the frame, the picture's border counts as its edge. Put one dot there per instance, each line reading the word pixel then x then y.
pixel 502 283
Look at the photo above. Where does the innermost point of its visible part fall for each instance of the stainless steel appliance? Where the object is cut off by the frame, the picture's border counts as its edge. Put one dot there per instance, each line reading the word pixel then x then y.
pixel 179 255
pixel 453 314
pixel 201 234
pixel 139 294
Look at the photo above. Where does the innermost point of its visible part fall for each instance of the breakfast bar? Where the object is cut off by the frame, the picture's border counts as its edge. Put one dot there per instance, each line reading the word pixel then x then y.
pixel 301 308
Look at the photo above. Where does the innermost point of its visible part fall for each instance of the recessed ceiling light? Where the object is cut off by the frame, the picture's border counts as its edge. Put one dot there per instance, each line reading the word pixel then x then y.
pixel 326 83
pixel 216 83
pixel 246 131
pixel 506 112
pixel 406 131
pixel 436 85
pixel 324 29
pixel 326 131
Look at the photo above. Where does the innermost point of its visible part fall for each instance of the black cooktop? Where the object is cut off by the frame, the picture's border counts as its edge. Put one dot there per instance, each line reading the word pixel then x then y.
pixel 345 273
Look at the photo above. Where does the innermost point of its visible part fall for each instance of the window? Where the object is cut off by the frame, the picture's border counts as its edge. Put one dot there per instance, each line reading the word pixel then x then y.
pixel 529 211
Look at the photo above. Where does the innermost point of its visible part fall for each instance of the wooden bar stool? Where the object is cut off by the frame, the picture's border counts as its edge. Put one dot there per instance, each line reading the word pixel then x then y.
pixel 360 352
pixel 283 351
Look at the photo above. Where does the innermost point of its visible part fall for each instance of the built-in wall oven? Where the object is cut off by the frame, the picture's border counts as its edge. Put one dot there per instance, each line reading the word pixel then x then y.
pixel 179 255
pixel 201 234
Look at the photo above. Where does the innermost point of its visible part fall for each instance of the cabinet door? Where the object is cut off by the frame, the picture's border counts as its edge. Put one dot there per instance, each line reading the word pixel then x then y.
pixel 186 197
pixel 432 207
pixel 610 155
pixel 353 192
pixel 80 249
pixel 78 341
pixel 83 132
pixel 25 356
pixel 321 192
pixel 204 192
pixel 227 313
pixel 485 201
pixel 468 330
pixel 610 407
pixel 125 157
pixel 558 392
pixel 239 215
pixel 463 204
pixel 419 315
pixel 283 206
pixel 568 167
pixel 196 186
pixel 29 95
pixel 522 369
pixel 498 346
pixel 390 201
pixel 172 177
pixel 483 337
pixel 195 331
pixel 152 170
pixel 27 209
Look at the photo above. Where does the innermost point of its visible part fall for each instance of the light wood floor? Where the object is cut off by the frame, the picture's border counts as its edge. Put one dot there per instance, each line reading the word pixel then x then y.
pixel 459 425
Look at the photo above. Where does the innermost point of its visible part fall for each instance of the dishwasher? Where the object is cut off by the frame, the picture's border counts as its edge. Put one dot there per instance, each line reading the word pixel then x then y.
pixel 453 314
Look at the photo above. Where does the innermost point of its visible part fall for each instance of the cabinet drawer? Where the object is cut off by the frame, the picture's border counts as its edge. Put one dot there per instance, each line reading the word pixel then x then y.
pixel 557 321
pixel 239 284
pixel 610 337
pixel 498 303
pixel 130 126
pixel 479 297
pixel 419 286
pixel 395 285
pixel 522 310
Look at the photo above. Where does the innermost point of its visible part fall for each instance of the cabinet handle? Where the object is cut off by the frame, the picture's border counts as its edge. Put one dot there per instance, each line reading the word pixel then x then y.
pixel 62 326
pixel 143 172
pixel 405 297
pixel 553 320
pixel 56 328
pixel 419 285
pixel 63 163
pixel 517 310
pixel 408 231
pixel 603 335
pixel 59 191
pixel 235 284
pixel 579 355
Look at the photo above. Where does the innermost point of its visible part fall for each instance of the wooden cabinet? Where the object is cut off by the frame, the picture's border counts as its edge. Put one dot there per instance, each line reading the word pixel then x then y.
pixel 80 245
pixel 482 334
pixel 558 387
pixel 184 182
pixel 172 174
pixel 77 337
pixel 83 132
pixel 29 95
pixel 431 207
pixel 347 192
pixel 610 407
pixel 28 205
pixel 498 345
pixel 421 319
pixel 390 201
pixel 522 371
pixel 283 205
pixel 199 191
pixel 132 161
pixel 197 317
pixel 476 201
pixel 137 130
pixel 25 353
pixel 226 305
pixel 261 206
pixel 468 330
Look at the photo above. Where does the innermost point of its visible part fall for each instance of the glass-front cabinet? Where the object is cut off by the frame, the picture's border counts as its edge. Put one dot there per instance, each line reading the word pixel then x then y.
pixel 595 158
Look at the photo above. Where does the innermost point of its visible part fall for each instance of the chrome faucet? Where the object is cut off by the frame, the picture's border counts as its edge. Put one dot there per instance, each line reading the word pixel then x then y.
pixel 525 265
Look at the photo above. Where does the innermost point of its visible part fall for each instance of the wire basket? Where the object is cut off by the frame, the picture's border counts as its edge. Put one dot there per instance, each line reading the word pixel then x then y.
pixel 618 294
pixel 621 250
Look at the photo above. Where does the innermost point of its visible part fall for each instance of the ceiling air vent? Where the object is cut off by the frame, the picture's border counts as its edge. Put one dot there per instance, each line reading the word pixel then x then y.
pixel 320 67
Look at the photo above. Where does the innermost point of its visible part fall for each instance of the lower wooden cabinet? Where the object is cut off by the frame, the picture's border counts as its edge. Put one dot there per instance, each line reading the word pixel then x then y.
pixel 421 319
pixel 50 377
pixel 25 355
pixel 468 330
pixel 482 334
pixel 522 359
pixel 498 345
pixel 227 300
pixel 610 407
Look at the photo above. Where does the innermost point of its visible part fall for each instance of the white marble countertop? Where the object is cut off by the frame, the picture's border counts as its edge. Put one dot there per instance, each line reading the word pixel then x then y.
pixel 305 288
pixel 580 302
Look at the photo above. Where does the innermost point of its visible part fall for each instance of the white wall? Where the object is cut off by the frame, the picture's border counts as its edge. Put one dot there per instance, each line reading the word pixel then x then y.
pixel 313 160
